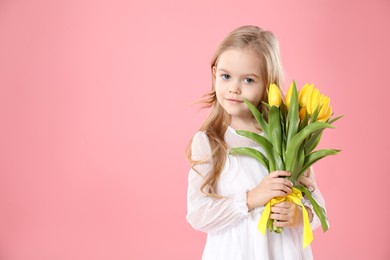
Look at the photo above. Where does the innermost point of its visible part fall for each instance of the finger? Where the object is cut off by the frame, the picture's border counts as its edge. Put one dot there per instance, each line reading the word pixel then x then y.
pixel 283 181
pixel 279 217
pixel 281 187
pixel 307 182
pixel 285 205
pixel 278 173
pixel 304 181
pixel 278 193
pixel 279 210
pixel 281 223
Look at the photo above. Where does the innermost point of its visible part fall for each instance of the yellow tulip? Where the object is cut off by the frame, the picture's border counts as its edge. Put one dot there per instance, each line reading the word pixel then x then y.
pixel 324 104
pixel 326 117
pixel 328 114
pixel 304 94
pixel 288 95
pixel 326 109
pixel 274 98
pixel 314 101
pixel 302 113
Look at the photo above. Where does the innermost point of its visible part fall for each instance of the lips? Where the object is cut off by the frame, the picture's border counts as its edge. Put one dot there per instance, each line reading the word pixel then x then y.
pixel 233 100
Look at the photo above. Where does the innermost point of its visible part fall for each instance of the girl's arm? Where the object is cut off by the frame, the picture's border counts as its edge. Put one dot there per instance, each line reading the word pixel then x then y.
pixel 205 213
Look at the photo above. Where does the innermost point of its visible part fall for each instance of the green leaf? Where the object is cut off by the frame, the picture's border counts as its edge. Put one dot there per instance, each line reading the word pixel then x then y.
pixel 331 121
pixel 304 122
pixel 320 211
pixel 313 157
pixel 266 104
pixel 293 115
pixel 315 114
pixel 283 113
pixel 259 117
pixel 276 129
pixel 279 165
pixel 298 165
pixel 312 142
pixel 252 153
pixel 283 123
pixel 283 110
pixel 267 146
pixel 296 141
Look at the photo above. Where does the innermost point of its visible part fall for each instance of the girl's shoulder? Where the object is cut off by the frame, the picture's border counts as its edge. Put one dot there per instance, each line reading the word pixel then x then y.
pixel 200 146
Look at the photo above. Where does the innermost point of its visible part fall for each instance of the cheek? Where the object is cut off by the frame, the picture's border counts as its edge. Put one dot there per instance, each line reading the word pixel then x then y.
pixel 217 92
pixel 218 88
pixel 218 84
pixel 256 96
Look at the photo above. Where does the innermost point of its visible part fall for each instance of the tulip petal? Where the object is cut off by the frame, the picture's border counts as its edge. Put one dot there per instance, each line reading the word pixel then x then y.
pixel 304 94
pixel 313 101
pixel 325 106
pixel 328 113
pixel 274 98
pixel 288 95
pixel 302 113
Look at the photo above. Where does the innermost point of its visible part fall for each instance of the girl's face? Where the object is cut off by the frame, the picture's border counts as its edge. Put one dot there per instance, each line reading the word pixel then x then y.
pixel 238 76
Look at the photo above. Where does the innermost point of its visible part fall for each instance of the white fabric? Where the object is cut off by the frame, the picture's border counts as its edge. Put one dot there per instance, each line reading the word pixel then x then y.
pixel 231 230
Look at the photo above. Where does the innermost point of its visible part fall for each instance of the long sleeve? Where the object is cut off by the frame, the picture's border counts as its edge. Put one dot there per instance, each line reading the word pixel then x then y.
pixel 205 213
pixel 315 223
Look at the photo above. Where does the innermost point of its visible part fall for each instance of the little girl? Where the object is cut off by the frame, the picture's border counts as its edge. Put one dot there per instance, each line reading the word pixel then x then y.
pixel 227 193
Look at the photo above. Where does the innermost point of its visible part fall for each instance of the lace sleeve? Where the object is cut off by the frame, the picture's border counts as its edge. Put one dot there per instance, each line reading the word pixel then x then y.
pixel 205 213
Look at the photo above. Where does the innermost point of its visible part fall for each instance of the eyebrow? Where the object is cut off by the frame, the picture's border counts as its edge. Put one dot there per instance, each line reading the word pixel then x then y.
pixel 250 74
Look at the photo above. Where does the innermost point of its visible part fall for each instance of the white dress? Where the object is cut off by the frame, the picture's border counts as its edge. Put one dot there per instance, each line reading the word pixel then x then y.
pixel 232 232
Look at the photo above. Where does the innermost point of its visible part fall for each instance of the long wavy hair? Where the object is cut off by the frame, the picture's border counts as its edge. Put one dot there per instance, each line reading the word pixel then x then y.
pixel 265 44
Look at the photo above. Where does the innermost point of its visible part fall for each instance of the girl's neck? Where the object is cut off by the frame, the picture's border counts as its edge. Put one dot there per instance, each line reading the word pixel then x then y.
pixel 249 125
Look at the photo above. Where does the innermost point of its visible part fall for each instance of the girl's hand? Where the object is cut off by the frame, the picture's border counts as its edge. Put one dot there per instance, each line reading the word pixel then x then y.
pixel 272 185
pixel 307 181
pixel 288 214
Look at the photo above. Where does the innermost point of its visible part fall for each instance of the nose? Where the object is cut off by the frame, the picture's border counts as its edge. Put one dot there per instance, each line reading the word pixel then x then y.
pixel 235 88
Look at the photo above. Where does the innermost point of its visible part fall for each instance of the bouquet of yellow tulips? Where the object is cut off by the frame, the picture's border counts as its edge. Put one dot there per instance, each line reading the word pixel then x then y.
pixel 292 130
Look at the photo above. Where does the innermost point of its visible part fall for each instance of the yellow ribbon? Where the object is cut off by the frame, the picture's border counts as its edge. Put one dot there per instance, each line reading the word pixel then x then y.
pixel 294 197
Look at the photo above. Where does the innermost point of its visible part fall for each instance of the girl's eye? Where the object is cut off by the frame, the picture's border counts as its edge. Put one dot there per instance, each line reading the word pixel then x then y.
pixel 225 76
pixel 249 80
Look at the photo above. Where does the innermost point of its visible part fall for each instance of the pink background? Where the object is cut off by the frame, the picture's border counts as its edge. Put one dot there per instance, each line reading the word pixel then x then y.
pixel 95 110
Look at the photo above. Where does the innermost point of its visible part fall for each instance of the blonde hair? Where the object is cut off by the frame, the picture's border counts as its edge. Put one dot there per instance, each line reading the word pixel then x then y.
pixel 265 44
